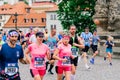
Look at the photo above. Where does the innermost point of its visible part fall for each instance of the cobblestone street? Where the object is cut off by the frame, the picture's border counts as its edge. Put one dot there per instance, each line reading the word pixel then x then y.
pixel 101 70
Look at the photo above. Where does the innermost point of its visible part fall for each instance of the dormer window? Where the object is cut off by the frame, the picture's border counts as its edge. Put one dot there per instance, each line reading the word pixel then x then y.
pixel 28 10
pixel 26 20
pixel 14 20
pixel 43 19
pixel 0 17
pixel 33 20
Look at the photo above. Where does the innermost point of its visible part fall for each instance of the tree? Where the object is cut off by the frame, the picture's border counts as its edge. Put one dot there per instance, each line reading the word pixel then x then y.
pixel 77 12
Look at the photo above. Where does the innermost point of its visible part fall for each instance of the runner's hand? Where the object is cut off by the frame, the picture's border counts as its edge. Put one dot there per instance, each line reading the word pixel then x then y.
pixel 64 60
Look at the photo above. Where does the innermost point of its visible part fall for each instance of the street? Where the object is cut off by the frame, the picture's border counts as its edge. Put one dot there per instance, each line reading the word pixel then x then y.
pixel 101 70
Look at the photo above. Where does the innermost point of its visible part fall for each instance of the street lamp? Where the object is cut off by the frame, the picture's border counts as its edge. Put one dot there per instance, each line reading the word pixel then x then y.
pixel 16 20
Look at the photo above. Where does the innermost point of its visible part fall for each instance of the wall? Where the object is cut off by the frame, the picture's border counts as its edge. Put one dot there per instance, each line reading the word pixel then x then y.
pixel 50 22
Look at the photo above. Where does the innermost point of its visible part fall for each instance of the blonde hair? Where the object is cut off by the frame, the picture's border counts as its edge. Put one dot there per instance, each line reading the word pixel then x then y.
pixel 110 37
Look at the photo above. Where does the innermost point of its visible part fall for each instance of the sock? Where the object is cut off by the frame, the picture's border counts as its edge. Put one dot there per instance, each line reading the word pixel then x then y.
pixel 51 66
pixel 79 58
pixel 72 77
pixel 47 64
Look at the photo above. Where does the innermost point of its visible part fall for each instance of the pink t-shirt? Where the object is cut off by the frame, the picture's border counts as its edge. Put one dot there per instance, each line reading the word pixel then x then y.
pixel 64 52
pixel 38 54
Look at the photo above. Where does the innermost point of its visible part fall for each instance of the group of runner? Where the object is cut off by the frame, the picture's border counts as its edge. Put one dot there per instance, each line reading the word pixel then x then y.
pixel 44 50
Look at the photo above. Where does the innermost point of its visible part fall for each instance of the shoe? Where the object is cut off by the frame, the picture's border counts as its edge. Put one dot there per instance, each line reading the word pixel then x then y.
pixel 110 64
pixel 51 72
pixel 92 61
pixel 87 57
pixel 104 58
pixel 63 77
pixel 87 67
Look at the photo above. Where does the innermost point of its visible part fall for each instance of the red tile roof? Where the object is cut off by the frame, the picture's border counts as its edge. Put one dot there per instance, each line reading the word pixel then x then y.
pixel 44 6
pixel 21 20
pixel 19 7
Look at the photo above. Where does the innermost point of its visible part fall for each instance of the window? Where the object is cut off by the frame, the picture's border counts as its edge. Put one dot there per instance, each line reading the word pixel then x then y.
pixel 14 20
pixel 26 20
pixel 33 20
pixel 51 17
pixel 0 17
pixel 54 17
pixel 53 26
pixel 28 10
pixel 43 19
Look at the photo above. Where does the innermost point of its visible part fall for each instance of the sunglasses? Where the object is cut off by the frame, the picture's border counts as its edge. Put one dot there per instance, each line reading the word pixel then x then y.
pixel 40 36
pixel 14 36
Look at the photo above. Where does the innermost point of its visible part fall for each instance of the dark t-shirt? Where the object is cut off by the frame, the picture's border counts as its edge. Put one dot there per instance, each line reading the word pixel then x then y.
pixel 109 44
pixel 10 55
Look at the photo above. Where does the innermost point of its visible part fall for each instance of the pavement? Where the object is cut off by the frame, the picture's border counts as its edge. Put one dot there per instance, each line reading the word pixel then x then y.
pixel 101 70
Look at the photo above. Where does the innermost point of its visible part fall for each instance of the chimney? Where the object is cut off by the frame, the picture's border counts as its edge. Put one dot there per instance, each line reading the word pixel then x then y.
pixel 30 2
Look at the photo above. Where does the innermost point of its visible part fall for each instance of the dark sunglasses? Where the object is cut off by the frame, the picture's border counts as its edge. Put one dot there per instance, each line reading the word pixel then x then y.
pixel 14 36
pixel 40 36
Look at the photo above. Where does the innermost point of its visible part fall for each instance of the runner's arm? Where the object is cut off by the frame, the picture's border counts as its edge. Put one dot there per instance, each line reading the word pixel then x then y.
pixel 27 56
pixel 81 43
pixel 56 57
pixel 22 61
pixel 48 54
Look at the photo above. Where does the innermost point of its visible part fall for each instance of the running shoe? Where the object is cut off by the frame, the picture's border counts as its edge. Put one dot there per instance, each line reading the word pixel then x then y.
pixel 87 67
pixel 110 64
pixel 104 58
pixel 92 61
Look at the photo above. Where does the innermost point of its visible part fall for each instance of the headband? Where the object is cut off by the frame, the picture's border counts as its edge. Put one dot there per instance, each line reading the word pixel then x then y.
pixel 12 33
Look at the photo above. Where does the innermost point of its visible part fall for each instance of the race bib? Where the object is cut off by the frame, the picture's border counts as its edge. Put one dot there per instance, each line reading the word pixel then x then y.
pixel 74 52
pixel 95 43
pixel 11 69
pixel 39 62
pixel 68 62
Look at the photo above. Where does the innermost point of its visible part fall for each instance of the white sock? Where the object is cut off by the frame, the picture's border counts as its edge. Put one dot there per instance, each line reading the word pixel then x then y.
pixel 79 58
pixel 72 77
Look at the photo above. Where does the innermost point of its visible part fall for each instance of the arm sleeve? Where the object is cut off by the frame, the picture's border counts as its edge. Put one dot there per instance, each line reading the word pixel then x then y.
pixel 82 35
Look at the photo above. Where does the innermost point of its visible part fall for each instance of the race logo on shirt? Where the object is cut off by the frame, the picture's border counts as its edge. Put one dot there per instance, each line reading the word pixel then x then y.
pixel 68 62
pixel 11 69
pixel 39 62
pixel 18 53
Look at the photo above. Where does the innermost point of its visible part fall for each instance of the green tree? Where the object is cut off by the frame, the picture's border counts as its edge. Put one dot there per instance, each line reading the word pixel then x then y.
pixel 77 12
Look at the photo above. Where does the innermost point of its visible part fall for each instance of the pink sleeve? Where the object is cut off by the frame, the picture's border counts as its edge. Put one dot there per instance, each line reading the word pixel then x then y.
pixel 59 47
pixel 29 47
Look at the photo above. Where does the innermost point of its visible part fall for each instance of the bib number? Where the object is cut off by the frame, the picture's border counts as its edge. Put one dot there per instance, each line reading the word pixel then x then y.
pixel 74 52
pixel 11 69
pixel 95 43
pixel 39 62
pixel 68 62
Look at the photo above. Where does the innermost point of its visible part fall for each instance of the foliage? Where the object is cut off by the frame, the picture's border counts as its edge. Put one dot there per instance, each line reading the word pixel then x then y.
pixel 77 12
pixel 5 2
pixel 25 1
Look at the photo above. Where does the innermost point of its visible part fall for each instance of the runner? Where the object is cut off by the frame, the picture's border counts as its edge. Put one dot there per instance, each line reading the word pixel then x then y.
pixel 63 54
pixel 1 41
pixel 51 41
pixel 32 38
pixel 95 40
pixel 9 55
pixel 109 44
pixel 76 43
pixel 87 36
pixel 38 51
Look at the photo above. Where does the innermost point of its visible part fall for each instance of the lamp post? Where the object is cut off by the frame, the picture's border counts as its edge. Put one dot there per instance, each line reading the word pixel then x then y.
pixel 16 20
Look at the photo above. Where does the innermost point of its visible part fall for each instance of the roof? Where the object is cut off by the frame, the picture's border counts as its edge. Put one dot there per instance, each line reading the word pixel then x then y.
pixel 21 20
pixel 19 8
pixel 44 6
